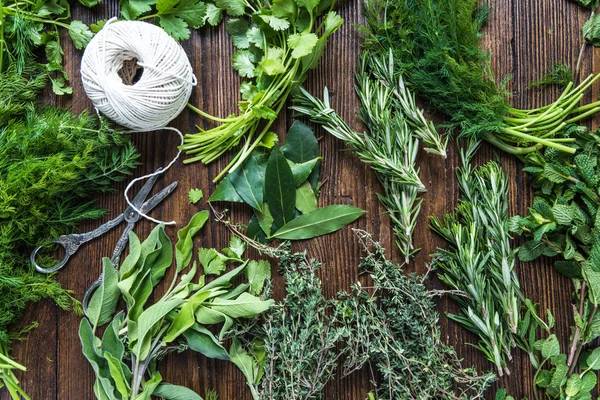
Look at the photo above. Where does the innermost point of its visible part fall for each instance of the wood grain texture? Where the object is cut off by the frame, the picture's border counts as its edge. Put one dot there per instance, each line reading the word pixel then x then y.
pixel 525 38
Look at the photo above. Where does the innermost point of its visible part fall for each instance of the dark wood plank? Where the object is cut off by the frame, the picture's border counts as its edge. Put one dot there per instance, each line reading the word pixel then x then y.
pixel 525 38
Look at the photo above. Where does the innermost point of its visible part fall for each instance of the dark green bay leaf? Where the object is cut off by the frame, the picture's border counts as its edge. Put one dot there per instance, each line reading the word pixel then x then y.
pixel 225 192
pixel 248 183
pixel 319 222
pixel 280 188
pixel 302 171
pixel 300 143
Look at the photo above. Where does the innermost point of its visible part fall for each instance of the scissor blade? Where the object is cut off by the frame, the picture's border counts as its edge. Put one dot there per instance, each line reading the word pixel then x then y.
pixel 143 193
pixel 157 198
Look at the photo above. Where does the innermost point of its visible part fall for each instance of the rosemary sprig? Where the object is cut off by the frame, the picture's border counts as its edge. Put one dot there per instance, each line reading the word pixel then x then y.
pixel 388 147
pixel 480 261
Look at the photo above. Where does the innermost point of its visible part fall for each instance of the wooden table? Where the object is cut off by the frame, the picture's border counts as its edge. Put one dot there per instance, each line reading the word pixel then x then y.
pixel 525 37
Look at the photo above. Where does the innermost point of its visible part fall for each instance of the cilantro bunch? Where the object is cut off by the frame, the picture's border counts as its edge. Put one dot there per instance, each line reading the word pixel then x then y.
pixel 278 42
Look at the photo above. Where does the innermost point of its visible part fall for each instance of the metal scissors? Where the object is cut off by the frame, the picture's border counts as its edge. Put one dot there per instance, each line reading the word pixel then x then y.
pixel 72 242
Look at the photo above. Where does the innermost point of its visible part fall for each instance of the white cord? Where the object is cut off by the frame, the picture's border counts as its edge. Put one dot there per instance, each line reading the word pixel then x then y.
pixel 149 104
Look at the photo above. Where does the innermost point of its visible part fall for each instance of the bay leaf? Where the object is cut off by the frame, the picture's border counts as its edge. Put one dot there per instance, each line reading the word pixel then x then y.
pixel 302 171
pixel 319 222
pixel 300 143
pixel 225 192
pixel 248 183
pixel 280 188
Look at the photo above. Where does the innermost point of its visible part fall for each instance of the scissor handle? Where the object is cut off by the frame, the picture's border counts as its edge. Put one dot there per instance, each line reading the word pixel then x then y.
pixel 71 243
pixel 68 253
pixel 88 294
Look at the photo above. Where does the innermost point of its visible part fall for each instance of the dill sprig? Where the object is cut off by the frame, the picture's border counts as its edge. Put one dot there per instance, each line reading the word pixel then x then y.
pixel 51 163
pixel 480 262
pixel 437 44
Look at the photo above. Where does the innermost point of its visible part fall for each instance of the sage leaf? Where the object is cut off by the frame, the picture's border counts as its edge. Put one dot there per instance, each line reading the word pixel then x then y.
pixel 168 391
pixel 246 305
pixel 225 280
pixel 300 144
pixel 280 188
pixel 185 319
pixel 225 192
pixel 319 222
pixel 135 249
pixel 302 171
pixel 148 319
pixel 161 257
pixel 201 340
pixel 306 200
pixel 150 386
pixel 185 244
pixel 111 343
pixel 244 362
pixel 248 183
pixel 104 301
pixel 117 372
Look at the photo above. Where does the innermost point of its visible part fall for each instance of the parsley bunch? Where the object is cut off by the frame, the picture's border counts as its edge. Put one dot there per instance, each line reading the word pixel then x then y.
pixel 278 42
pixel 27 25
pixel 437 43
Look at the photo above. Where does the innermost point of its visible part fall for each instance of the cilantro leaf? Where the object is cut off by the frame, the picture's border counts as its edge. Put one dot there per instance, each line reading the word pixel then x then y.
pixel 256 37
pixel 302 44
pixel 212 261
pixel 193 12
pixel 97 27
pixel 134 8
pixel 54 53
pixel 243 62
pixel 213 15
pixel 195 195
pixel 332 22
pixel 176 27
pixel 283 8
pixel 278 24
pixel 80 34
pixel 235 8
pixel 308 4
pixel 238 29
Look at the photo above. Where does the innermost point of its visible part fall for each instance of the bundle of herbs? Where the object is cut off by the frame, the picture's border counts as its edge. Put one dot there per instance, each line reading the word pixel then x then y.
pixel 396 127
pixel 437 44
pixel 278 42
pixel 125 359
pixel 281 185
pixel 392 327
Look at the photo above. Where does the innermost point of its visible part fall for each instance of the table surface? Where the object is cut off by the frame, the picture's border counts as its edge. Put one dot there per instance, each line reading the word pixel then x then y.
pixel 525 38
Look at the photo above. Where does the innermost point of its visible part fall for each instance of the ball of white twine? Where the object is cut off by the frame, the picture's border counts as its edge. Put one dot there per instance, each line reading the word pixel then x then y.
pixel 160 94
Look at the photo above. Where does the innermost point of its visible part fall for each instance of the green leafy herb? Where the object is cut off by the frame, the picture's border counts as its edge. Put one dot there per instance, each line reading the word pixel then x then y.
pixel 460 84
pixel 391 145
pixel 53 162
pixel 125 358
pixel 480 262
pixel 195 195
pixel 278 43
pixel 27 26
pixel 280 191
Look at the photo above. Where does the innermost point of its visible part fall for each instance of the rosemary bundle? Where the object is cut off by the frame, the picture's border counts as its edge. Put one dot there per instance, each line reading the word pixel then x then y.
pixel 395 125
pixel 480 262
